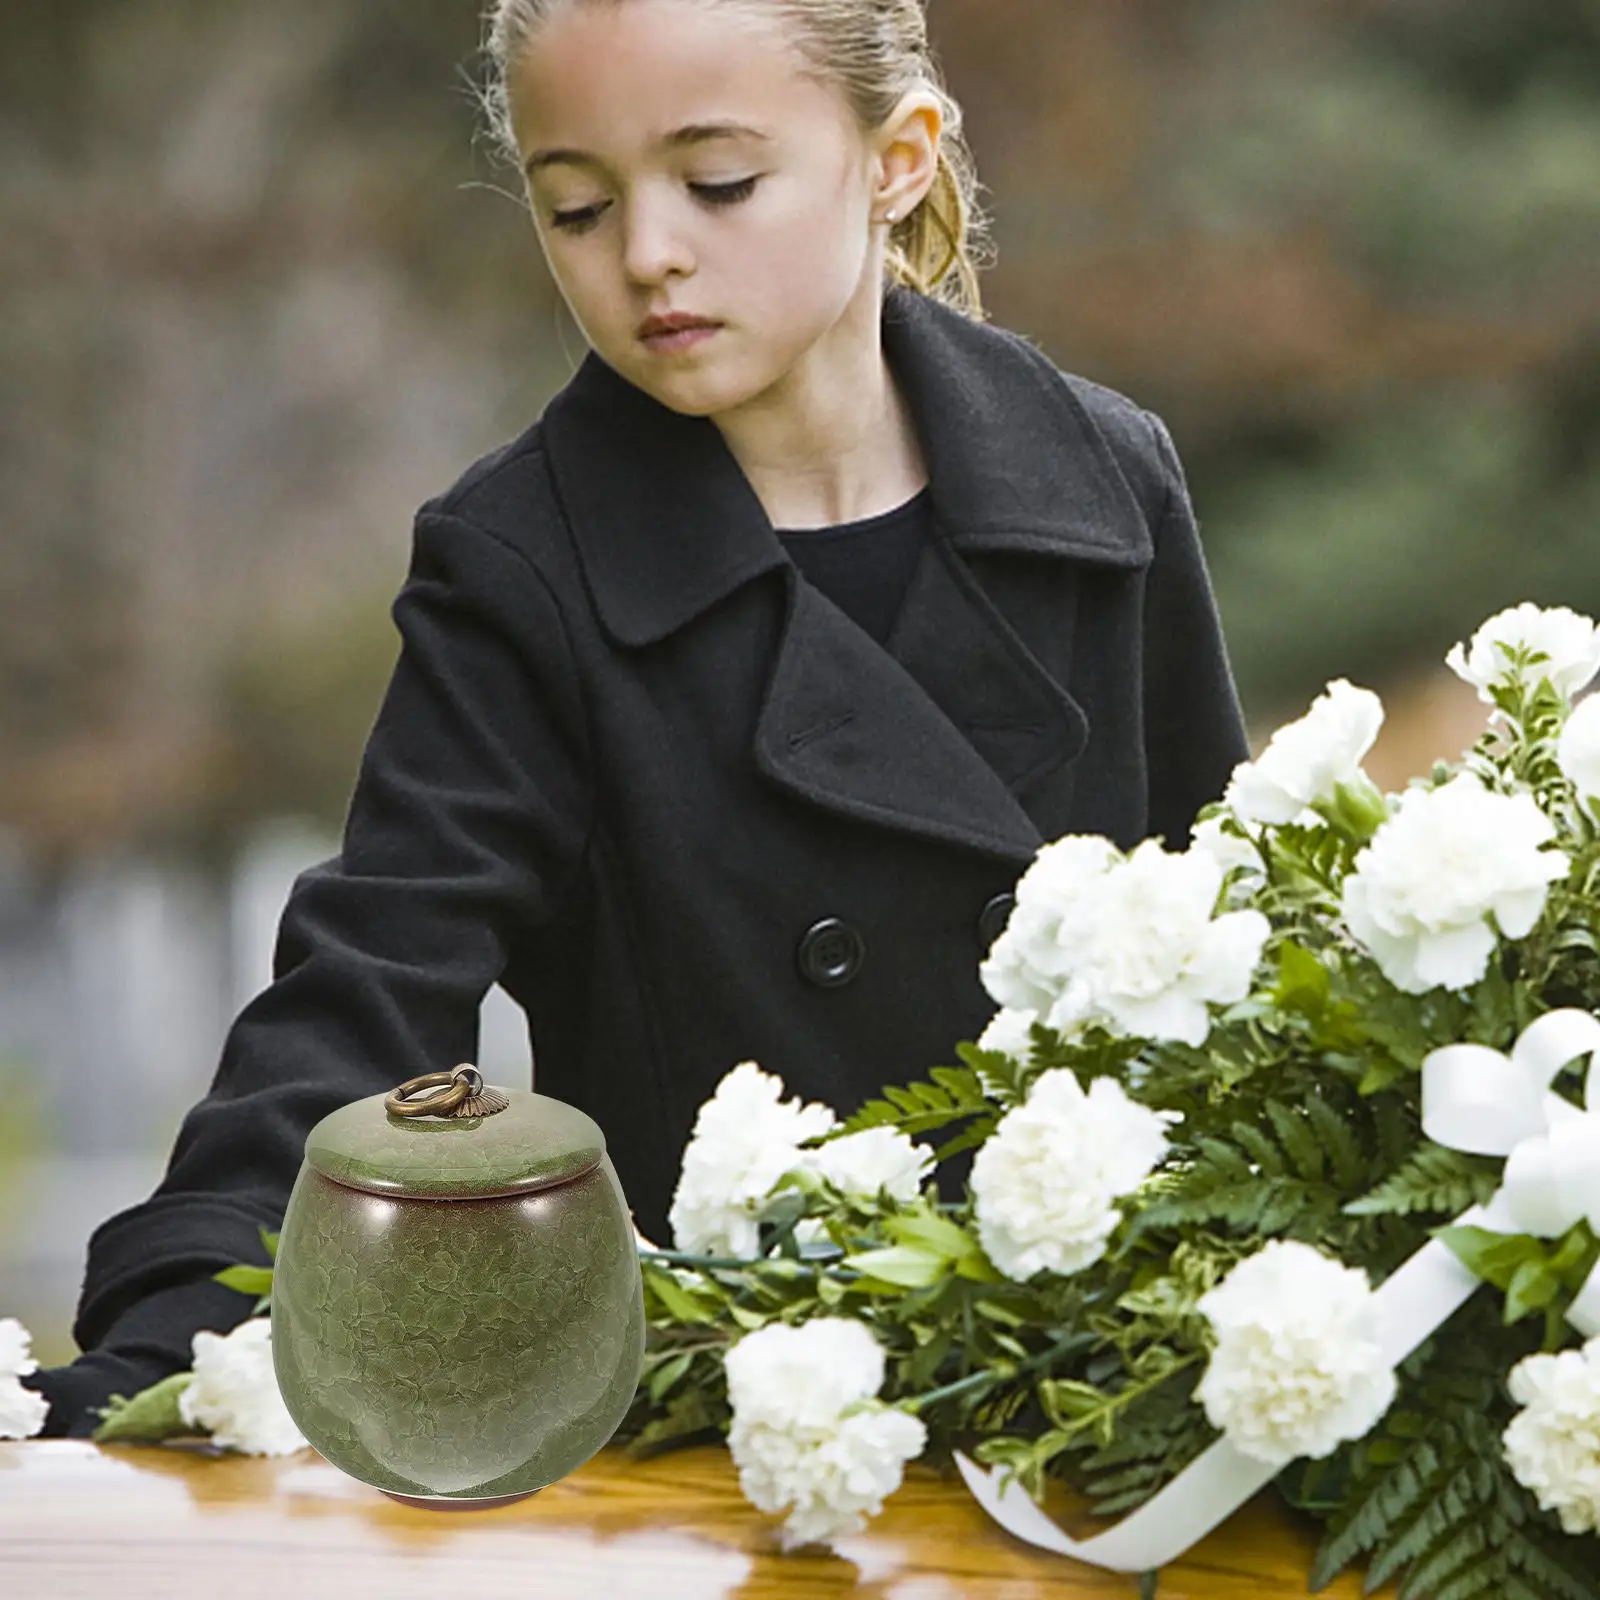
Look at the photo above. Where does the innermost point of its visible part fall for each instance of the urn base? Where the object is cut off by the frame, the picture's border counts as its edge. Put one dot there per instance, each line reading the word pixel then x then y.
pixel 446 1502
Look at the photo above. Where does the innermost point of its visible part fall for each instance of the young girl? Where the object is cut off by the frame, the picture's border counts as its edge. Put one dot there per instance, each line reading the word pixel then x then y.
pixel 735 694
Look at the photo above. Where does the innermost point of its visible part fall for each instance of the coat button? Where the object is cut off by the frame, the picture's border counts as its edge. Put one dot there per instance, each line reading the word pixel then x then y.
pixel 831 952
pixel 993 918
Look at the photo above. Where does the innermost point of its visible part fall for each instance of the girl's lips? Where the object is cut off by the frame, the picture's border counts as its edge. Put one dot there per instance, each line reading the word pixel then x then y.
pixel 680 338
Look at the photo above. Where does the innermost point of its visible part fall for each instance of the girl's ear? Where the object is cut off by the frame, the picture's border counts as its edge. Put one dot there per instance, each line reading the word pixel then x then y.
pixel 907 148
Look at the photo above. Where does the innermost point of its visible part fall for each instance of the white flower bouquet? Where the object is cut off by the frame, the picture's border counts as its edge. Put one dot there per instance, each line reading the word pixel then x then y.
pixel 1287 1170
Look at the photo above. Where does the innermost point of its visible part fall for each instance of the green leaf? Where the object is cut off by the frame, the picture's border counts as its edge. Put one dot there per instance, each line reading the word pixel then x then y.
pixel 1066 1401
pixel 996 1312
pixel 1533 1286
pixel 830 1291
pixel 978 1268
pixel 668 1373
pixel 690 1416
pixel 1494 1257
pixel 937 1235
pixel 247 1280
pixel 903 1265
pixel 926 1361
pixel 150 1416
pixel 1383 1072
pixel 1572 1258
pixel 680 1303
pixel 1303 982
pixel 269 1242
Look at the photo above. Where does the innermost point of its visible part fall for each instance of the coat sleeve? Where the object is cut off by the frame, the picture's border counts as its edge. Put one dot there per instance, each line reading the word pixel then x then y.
pixel 469 820
pixel 1194 730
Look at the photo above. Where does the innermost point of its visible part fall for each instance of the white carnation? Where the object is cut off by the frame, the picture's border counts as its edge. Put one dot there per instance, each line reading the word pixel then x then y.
pixel 15 1354
pixel 808 1433
pixel 1211 837
pixel 1423 891
pixel 833 1478
pixel 1568 642
pixel 1028 963
pixel 1553 1444
pixel 234 1392
pixel 1578 752
pixel 745 1138
pixel 1046 1182
pixel 22 1411
pixel 1298 1367
pixel 1010 1032
pixel 861 1164
pixel 803 1376
pixel 1305 762
pixel 1130 943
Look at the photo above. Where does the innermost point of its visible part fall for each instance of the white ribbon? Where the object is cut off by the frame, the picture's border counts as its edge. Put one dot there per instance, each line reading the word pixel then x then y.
pixel 1474 1099
pixel 1477 1100
pixel 1412 1302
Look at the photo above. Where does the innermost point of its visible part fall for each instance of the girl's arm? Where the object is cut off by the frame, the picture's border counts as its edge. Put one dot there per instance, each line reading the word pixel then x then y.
pixel 468 822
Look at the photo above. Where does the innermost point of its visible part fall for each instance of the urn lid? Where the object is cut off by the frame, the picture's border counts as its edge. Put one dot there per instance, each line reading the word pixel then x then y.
pixel 497 1141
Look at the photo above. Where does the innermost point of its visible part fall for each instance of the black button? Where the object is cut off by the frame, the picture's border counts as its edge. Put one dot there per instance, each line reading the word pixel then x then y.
pixel 993 918
pixel 831 953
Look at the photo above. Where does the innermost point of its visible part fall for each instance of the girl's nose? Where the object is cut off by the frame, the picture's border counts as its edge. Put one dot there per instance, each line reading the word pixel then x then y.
pixel 654 243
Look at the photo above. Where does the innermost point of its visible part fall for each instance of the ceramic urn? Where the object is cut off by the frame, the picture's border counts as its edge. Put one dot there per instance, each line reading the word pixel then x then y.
pixel 457 1307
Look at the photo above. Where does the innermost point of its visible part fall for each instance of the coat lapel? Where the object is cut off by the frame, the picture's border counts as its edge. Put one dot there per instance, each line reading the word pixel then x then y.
pixel 847 726
pixel 945 732
pixel 969 660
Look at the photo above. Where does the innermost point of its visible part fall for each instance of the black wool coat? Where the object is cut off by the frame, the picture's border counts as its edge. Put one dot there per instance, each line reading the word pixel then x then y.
pixel 632 766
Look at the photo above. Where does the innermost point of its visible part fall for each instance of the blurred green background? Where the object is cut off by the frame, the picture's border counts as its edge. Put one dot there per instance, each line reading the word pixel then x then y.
pixel 265 291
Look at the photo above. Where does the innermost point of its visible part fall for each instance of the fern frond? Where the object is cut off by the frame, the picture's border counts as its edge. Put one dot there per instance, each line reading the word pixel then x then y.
pixel 921 1107
pixel 1336 1135
pixel 1432 1180
pixel 1155 1440
pixel 1431 1499
pixel 1251 1181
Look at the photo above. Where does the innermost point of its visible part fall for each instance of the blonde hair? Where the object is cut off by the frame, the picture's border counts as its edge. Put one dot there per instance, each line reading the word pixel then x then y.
pixel 873 52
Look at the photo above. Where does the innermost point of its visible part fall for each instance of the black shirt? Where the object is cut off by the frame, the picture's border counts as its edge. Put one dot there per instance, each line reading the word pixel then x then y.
pixel 864 567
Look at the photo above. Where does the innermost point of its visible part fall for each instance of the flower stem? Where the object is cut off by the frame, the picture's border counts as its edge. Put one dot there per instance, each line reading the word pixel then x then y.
pixel 1067 1343
pixel 680 1258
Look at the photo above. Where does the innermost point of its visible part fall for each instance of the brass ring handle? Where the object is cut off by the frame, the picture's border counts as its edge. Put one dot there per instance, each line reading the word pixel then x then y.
pixel 463 1081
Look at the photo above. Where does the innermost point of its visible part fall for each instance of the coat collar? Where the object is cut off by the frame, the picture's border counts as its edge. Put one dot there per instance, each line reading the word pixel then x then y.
pixel 666 523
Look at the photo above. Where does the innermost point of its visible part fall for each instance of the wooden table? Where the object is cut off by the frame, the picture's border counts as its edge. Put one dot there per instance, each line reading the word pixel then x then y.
pixel 184 1522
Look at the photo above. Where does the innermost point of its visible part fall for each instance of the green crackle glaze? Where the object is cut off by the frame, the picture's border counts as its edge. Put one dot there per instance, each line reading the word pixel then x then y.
pixel 461 1349
pixel 536 1141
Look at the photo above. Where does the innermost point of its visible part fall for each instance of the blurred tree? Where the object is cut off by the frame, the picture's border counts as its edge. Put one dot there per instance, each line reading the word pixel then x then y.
pixel 1351 254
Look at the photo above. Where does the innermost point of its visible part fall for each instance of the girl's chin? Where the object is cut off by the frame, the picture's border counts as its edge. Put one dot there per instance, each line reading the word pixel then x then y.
pixel 693 394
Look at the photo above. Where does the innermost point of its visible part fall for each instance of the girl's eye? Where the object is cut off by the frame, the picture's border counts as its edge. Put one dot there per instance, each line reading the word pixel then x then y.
pixel 715 194
pixel 725 194
pixel 575 221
